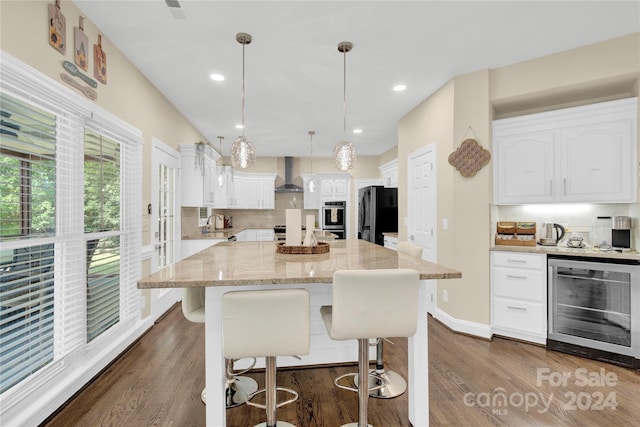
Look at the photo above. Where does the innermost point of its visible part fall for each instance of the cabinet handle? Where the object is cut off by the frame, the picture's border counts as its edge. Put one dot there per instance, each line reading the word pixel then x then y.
pixel 564 186
pixel 551 187
pixel 511 276
pixel 512 307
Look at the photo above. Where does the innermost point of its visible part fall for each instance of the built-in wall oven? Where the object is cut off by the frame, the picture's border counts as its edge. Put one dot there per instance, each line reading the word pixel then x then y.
pixel 334 217
pixel 594 308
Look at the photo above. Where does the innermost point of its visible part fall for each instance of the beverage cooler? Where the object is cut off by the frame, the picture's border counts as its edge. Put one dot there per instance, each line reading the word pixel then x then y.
pixel 594 308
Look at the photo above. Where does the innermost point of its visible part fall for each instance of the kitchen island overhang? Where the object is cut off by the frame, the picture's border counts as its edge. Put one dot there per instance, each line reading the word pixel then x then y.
pixel 256 265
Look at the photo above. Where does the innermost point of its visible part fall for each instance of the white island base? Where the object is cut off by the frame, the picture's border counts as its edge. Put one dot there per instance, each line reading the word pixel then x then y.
pixel 323 350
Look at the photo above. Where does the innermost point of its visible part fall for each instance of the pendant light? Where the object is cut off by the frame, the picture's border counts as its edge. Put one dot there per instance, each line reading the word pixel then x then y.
pixel 220 177
pixel 344 154
pixel 242 153
pixel 311 185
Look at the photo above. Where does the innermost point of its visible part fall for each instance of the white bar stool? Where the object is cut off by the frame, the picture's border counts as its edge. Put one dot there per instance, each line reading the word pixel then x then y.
pixel 367 304
pixel 238 387
pixel 395 385
pixel 266 323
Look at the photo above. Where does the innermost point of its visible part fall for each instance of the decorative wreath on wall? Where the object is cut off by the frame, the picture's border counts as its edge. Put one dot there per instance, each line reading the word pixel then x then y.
pixel 469 158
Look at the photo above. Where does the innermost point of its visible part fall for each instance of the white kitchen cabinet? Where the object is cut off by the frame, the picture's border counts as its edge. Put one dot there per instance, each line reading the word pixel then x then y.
pixel 189 247
pixel 519 295
pixel 197 175
pixel 223 194
pixel 333 186
pixel 311 200
pixel 256 235
pixel 254 191
pixel 389 173
pixel 584 154
pixel 390 242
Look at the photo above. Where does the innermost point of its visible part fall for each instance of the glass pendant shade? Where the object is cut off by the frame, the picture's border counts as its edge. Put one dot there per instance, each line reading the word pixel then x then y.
pixel 221 177
pixel 344 156
pixel 344 153
pixel 311 185
pixel 242 153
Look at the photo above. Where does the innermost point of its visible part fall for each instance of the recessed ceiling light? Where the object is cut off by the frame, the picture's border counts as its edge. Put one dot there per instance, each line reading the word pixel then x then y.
pixel 217 77
pixel 239 126
pixel 357 131
pixel 399 88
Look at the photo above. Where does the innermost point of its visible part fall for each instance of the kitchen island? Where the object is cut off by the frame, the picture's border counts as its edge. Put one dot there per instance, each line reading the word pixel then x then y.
pixel 256 265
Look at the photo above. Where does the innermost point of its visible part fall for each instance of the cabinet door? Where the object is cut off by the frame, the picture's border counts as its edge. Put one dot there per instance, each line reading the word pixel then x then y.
pixel 209 182
pixel 192 182
pixel 327 188
pixel 247 192
pixel 524 168
pixel 310 199
pixel 596 162
pixel 340 188
pixel 267 194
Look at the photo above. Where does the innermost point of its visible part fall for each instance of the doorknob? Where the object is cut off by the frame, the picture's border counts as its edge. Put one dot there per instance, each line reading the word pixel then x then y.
pixel 412 237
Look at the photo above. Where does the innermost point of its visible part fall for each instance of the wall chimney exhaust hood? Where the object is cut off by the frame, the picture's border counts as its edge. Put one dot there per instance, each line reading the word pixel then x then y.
pixel 288 186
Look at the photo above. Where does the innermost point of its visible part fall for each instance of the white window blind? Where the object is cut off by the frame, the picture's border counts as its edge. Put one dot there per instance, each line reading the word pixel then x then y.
pixel 44 274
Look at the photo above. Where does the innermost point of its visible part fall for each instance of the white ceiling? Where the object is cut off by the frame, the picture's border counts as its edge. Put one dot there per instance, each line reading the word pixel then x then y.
pixel 294 72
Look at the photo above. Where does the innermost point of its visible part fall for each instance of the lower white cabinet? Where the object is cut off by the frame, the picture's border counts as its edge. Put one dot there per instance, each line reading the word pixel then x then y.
pixel 391 242
pixel 519 296
pixel 256 235
pixel 193 246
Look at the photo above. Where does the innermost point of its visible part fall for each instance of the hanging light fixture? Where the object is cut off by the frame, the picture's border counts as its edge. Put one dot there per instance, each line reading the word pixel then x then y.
pixel 221 167
pixel 242 153
pixel 344 154
pixel 311 185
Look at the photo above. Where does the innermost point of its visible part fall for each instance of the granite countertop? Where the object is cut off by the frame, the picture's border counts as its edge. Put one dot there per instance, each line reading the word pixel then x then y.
pixel 390 234
pixel 254 263
pixel 588 251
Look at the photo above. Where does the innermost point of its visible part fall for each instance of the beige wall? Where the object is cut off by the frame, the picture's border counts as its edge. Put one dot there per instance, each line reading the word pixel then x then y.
pixel 389 155
pixel 603 71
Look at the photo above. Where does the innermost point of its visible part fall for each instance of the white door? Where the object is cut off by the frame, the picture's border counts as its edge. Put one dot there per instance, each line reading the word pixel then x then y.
pixel 421 212
pixel 165 221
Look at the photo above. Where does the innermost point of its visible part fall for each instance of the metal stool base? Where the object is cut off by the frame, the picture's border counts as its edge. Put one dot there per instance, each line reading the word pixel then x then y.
pixel 396 385
pixel 352 425
pixel 240 388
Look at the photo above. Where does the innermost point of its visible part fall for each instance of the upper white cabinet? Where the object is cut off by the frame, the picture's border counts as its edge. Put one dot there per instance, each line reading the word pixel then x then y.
pixel 389 173
pixel 254 190
pixel 198 175
pixel 333 186
pixel 310 199
pixel 583 154
pixel 223 194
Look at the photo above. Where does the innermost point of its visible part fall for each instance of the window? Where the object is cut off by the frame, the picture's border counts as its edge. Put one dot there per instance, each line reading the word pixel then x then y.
pixel 70 236
pixel 27 211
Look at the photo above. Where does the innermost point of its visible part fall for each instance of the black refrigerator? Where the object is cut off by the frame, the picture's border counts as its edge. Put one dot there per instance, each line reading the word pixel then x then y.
pixel 377 213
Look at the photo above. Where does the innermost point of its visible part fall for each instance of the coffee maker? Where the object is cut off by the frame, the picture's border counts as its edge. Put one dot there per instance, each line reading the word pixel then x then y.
pixel 621 232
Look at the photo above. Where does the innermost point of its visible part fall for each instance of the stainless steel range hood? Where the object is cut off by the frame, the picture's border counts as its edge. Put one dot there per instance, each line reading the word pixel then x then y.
pixel 288 186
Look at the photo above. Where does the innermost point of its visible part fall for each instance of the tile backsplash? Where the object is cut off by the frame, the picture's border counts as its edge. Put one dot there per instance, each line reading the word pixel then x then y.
pixel 578 219
pixel 252 218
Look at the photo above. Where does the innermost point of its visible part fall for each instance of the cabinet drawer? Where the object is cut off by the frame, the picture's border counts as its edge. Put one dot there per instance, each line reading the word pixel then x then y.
pixel 521 316
pixel 519 283
pixel 519 260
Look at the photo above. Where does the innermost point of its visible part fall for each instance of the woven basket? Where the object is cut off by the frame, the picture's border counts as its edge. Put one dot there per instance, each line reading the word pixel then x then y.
pixel 321 248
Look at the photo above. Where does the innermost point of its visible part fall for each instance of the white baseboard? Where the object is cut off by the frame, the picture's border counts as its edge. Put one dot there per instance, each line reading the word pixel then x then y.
pixel 462 326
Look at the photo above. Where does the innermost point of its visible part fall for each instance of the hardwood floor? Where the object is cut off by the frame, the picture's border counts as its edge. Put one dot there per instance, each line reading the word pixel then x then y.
pixel 157 382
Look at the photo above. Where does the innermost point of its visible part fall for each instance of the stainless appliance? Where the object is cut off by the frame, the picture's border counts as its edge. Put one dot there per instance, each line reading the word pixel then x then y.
pixel 621 232
pixel 594 308
pixel 551 234
pixel 377 213
pixel 334 218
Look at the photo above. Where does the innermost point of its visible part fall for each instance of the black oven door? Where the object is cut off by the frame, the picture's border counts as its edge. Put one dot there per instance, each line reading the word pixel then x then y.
pixel 332 216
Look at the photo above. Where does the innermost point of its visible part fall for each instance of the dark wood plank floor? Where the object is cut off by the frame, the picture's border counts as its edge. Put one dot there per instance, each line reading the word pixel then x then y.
pixel 157 382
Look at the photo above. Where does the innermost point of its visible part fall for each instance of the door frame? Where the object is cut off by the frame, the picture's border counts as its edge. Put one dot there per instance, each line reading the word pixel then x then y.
pixel 163 299
pixel 432 285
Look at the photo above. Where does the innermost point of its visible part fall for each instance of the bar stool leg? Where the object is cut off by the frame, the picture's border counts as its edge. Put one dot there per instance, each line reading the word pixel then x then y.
pixel 363 384
pixel 238 387
pixel 396 385
pixel 270 395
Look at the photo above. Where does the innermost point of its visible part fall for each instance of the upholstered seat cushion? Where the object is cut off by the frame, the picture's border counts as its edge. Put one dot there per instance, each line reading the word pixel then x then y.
pixel 372 304
pixel 264 323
